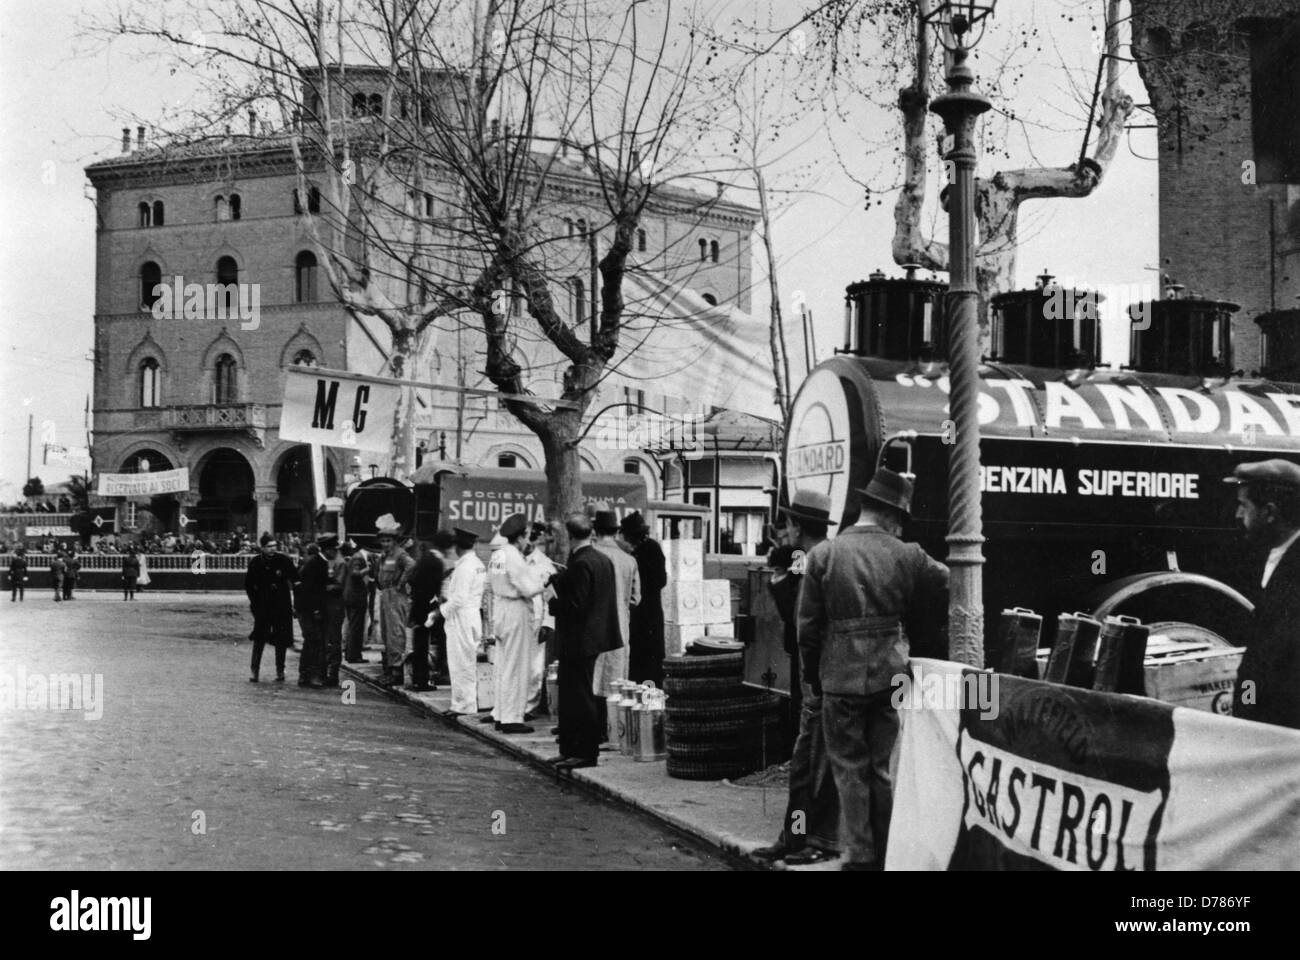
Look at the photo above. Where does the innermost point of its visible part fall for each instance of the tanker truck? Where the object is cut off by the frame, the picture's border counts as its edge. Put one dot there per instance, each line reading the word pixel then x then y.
pixel 1102 489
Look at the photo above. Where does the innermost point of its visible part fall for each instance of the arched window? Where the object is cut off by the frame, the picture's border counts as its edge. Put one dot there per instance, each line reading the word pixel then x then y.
pixel 225 379
pixel 227 276
pixel 305 358
pixel 150 383
pixel 146 216
pixel 713 251
pixel 223 209
pixel 582 228
pixel 632 465
pixel 304 286
pixel 507 460
pixel 234 206
pixel 157 213
pixel 568 226
pixel 358 104
pixel 704 250
pixel 150 277
pixel 578 292
pixel 640 241
pixel 376 105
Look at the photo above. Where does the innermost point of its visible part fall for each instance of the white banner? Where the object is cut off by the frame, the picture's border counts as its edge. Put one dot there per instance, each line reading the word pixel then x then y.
pixel 336 410
pixel 144 484
pixel 1055 777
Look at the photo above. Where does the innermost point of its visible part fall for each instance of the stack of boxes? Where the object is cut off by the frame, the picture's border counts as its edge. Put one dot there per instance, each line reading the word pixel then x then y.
pixel 694 608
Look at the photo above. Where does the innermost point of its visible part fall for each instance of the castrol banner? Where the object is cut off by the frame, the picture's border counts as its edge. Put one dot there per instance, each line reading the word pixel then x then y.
pixel 1047 777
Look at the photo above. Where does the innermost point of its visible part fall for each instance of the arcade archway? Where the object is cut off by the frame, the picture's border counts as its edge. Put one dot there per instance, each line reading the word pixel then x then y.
pixel 225 493
pixel 295 505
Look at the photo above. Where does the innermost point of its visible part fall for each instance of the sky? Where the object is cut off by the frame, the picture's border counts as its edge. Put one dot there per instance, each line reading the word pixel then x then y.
pixel 64 100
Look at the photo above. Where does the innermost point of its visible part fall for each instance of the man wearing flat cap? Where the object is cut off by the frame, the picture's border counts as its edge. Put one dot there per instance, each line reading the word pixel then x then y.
pixel 462 613
pixel 812 819
pixel 865 596
pixel 1268 509
pixel 393 593
pixel 514 584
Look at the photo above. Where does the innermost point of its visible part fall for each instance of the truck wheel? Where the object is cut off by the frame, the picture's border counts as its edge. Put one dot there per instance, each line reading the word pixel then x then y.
pixel 714 711
pixel 703 688
pixel 722 664
pixel 738 751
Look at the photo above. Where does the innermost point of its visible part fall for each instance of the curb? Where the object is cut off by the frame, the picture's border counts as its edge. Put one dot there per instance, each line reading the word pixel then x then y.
pixel 726 847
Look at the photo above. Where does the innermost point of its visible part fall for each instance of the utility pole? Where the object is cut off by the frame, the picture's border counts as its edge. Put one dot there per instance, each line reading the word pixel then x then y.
pixel 30 419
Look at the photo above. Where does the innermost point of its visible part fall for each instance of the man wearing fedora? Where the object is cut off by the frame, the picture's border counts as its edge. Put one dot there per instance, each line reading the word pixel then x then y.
pixel 1268 509
pixel 394 566
pixel 462 614
pixel 612 665
pixel 864 596
pixel 812 816
pixel 514 584
pixel 309 599
pixel 645 653
pixel 334 608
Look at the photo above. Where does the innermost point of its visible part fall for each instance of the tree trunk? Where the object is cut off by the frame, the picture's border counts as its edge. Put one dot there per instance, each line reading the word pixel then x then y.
pixel 563 466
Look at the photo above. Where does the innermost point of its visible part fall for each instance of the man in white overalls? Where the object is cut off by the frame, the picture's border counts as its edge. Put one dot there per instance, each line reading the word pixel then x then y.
pixel 462 614
pixel 514 585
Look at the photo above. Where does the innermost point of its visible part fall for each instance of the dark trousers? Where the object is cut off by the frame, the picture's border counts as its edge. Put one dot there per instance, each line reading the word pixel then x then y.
pixel 265 632
pixel 860 734
pixel 420 656
pixel 813 812
pixel 356 630
pixel 68 584
pixel 333 627
pixel 311 662
pixel 580 733
pixel 17 587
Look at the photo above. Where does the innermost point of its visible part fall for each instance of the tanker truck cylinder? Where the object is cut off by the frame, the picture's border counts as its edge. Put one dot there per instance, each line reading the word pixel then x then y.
pixel 896 319
pixel 1191 338
pixel 1049 326
pixel 1280 342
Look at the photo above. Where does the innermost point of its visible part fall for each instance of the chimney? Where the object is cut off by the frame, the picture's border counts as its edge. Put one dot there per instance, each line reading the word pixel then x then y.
pixel 126 139
pixel 139 138
pixel 252 123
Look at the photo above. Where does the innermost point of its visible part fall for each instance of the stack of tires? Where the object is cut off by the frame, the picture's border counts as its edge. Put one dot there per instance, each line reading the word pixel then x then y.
pixel 717 727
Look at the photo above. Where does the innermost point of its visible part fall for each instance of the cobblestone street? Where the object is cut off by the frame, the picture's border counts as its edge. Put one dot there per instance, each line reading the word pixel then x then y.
pixel 192 767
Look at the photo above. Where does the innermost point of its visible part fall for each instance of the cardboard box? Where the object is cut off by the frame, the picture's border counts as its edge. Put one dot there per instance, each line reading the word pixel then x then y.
pixel 715 604
pixel 683 602
pixel 726 631
pixel 684 559
pixel 678 635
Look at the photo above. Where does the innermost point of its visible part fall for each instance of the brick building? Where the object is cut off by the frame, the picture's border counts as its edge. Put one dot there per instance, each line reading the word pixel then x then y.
pixel 205 393
pixel 1223 77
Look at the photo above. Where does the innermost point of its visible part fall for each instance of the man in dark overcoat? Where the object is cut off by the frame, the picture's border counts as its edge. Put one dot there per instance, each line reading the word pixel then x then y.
pixel 645 657
pixel 586 625
pixel 269 584
pixel 310 598
pixel 1268 509
pixel 425 580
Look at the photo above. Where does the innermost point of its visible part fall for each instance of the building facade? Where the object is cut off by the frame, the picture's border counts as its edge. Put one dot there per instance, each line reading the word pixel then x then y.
pixel 204 392
pixel 1223 77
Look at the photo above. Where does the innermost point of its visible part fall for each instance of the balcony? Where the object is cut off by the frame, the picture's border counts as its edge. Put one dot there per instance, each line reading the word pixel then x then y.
pixel 247 418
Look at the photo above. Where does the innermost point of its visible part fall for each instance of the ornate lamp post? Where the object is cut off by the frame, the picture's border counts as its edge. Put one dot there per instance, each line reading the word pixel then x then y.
pixel 960 107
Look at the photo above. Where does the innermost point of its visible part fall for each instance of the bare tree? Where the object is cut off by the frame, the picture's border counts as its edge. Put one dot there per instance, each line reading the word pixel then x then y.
pixel 438 142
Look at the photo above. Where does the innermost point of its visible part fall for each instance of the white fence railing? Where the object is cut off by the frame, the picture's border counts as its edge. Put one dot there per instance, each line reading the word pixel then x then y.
pixel 154 562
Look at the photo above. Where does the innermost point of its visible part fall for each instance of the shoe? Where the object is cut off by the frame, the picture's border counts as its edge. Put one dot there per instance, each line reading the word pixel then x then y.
pixel 317 684
pixel 420 688
pixel 776 851
pixel 487 719
pixel 809 854
pixel 575 763
pixel 870 866
pixel 515 728
pixel 558 759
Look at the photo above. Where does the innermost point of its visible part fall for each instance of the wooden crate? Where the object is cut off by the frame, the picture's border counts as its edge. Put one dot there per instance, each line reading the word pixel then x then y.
pixel 684 602
pixel 715 601
pixel 684 559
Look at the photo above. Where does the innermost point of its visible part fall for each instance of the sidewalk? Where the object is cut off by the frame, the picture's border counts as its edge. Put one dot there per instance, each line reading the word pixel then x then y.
pixel 733 819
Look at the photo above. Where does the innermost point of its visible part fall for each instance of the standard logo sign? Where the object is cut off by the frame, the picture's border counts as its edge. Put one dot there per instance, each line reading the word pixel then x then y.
pixel 817 455
pixel 335 410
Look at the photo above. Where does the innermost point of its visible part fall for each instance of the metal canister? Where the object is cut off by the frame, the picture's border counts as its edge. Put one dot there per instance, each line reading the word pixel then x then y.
pixel 1019 631
pixel 625 726
pixel 634 731
pixel 613 704
pixel 651 742
pixel 1071 662
pixel 1120 656
pixel 553 693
